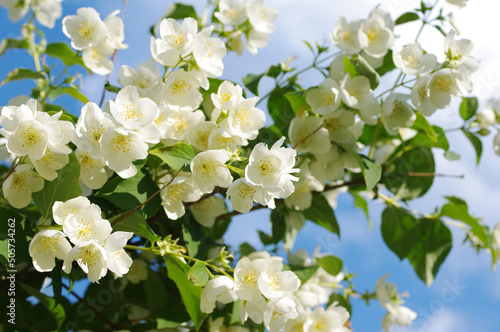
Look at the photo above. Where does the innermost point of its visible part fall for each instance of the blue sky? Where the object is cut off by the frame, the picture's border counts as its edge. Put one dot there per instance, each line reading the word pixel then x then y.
pixel 466 293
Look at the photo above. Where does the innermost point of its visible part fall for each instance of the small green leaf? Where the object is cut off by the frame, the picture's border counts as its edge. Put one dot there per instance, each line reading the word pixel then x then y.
pixel 321 213
pixel 65 186
pixel 452 156
pixel 280 110
pixel 21 74
pixel 55 309
pixel 73 92
pixel 363 68
pixel 111 88
pixel 399 230
pixel 360 201
pixel 387 65
pixel 246 249
pixel 63 52
pixel 179 11
pixel 468 107
pixel 176 156
pixel 407 17
pixel 422 139
pixel 304 273
pixel 421 123
pixel 278 224
pixel 372 172
pixel 476 143
pixel 190 294
pixel 198 274
pixel 9 43
pixel 251 81
pixel 194 237
pixel 136 224
pixel 297 101
pixel 274 71
pixel 331 264
pixel 343 301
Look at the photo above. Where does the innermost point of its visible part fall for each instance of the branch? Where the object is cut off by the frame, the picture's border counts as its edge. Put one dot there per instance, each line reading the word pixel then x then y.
pixel 149 198
pixel 12 169
pixel 304 139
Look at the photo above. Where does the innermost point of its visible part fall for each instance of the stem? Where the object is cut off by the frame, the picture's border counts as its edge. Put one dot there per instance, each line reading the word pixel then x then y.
pixel 111 325
pixel 306 137
pixel 206 263
pixel 374 138
pixel 12 169
pixel 149 198
pixel 32 45
pixel 53 85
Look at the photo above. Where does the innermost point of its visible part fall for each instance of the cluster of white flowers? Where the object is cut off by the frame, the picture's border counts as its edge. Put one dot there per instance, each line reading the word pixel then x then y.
pixel 97 39
pixel 40 137
pixel 95 249
pixel 46 11
pixel 236 14
pixel 387 294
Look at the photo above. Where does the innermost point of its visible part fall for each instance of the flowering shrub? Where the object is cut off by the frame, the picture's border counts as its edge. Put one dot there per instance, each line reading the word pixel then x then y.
pixel 146 184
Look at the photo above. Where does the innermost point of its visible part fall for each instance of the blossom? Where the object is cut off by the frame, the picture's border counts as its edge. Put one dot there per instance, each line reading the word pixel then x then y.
pixel 91 257
pixel 146 77
pixel 486 118
pixel 412 60
pixel 119 261
pixel 218 289
pixel 198 135
pixel 340 125
pixel 47 12
pixel 457 52
pixel 87 225
pixel 85 29
pixel 262 17
pixel 345 35
pixel 246 276
pixel 242 195
pixel 442 85
pixel 96 58
pixel 277 312
pixel 175 42
pixel 19 185
pixel 256 39
pixel 276 284
pixel 227 96
pixel 420 96
pixel 61 211
pixel 207 210
pixel 115 27
pixel 322 320
pixel 208 53
pixel 325 98
pixel 375 36
pixel 92 170
pixel 356 92
pixel 232 12
pixel 50 163
pixel 209 170
pixel 222 138
pixel 179 122
pixel 180 190
pixel 245 120
pixel 305 136
pixel 181 89
pixel 17 9
pixel 45 246
pixel 396 113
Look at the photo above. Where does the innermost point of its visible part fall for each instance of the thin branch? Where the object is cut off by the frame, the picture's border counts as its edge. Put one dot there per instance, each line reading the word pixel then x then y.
pixel 149 198
pixel 12 169
pixel 306 137
pixel 111 325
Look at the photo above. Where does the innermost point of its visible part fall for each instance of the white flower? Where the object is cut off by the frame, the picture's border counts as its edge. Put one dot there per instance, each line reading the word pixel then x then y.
pixel 50 163
pixel 208 53
pixel 325 98
pixel 61 211
pixel 321 320
pixel 345 35
pixel 375 37
pixel 277 312
pixel 181 89
pixel 115 27
pixel 227 96
pixel 85 28
pixel 47 12
pixel 91 257
pixel 243 194
pixel 207 210
pixel 198 135
pixel 96 58
pixel 120 147
pixel 221 138
pixel 412 60
pixel 301 198
pixel 45 246
pixel 146 77
pixel 209 170
pixel 119 261
pixel 442 85
pixel 91 124
pixel 17 9
pixel 486 118
pixel 246 276
pixel 92 170
pixel 180 190
pixel 262 17
pixel 458 3
pixel 87 225
pixel 232 12
pixel 245 120
pixel 255 40
pixel 253 310
pixel 276 284
pixel 396 113
pixel 356 92
pixel 179 122
pixel 420 96
pixel 337 71
pixel 457 52
pixel 300 131
pixel 219 289
pixel 271 168
pixel 176 41
pixel 340 126
pixel 19 185
pixel 297 324
pixel 137 272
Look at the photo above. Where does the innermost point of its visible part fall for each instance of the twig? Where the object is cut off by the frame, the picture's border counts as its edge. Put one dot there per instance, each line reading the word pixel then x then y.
pixel 12 169
pixel 309 135
pixel 149 198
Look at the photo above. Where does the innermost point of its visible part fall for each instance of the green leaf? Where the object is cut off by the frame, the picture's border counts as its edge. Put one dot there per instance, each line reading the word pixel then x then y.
pixel 73 92
pixel 246 249
pixel 476 143
pixel 190 294
pixel 457 209
pixel 342 301
pixel 372 172
pixel 64 187
pixel 468 107
pixel 111 88
pixel 400 231
pixel 297 101
pixel 56 276
pixel 304 273
pixel 407 17
pixel 21 74
pixel 452 156
pixel 13 228
pixel 422 139
pixel 55 309
pixel 274 71
pixel 417 159
pixel 194 237
pixel 235 313
pixel 136 224
pixel 63 52
pixel 387 65
pixel 198 274
pixel 331 264
pixel 9 43
pixel 421 123
pixel 429 252
pixel 280 110
pixel 251 81
pixel 321 213
pixel 179 11
pixel 176 156
pixel 360 201
pixel 357 66
pixel 278 224
pixel 155 292
pixel 129 193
